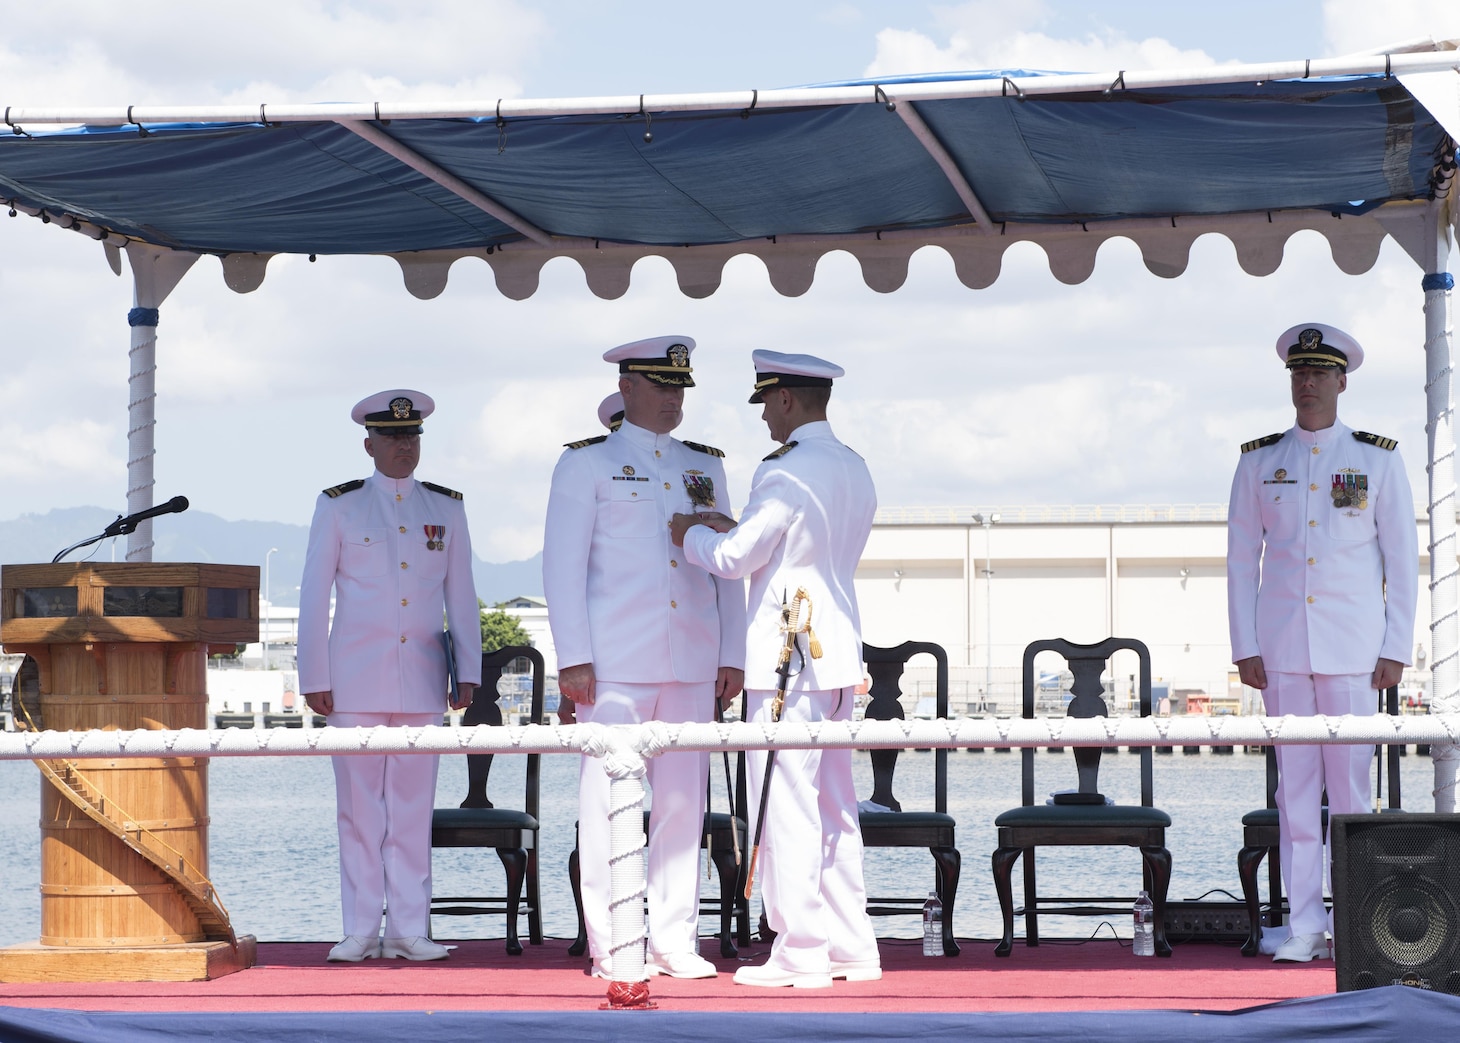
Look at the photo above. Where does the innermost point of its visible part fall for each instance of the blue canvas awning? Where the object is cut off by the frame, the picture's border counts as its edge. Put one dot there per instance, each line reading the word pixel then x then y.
pixel 787 181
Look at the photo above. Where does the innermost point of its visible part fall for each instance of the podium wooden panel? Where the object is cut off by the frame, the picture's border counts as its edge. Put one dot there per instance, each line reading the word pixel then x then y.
pixel 124 842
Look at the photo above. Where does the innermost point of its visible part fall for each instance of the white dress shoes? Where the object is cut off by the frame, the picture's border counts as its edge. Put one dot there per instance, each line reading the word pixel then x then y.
pixel 679 965
pixel 857 970
pixel 354 948
pixel 772 977
pixel 1300 948
pixel 413 949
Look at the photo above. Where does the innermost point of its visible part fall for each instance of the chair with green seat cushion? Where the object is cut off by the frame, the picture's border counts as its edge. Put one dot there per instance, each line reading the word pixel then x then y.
pixel 1082 818
pixel 934 829
pixel 512 832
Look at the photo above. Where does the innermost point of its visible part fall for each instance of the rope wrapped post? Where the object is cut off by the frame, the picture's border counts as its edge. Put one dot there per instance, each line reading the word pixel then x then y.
pixel 628 988
pixel 155 272
pixel 1439 427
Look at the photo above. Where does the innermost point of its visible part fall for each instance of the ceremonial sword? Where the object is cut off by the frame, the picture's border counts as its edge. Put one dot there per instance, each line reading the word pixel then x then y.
pixel 791 625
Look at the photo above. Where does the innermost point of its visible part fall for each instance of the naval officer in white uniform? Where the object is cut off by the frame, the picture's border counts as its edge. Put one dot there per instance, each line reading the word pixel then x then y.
pixel 395 551
pixel 805 525
pixel 1322 581
pixel 641 634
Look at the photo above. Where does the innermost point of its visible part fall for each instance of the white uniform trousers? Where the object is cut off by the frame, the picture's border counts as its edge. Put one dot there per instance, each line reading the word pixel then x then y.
pixel 676 818
pixel 384 807
pixel 813 892
pixel 1303 773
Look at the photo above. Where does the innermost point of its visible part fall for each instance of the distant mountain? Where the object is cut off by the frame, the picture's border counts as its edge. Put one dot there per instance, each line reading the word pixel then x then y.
pixel 200 536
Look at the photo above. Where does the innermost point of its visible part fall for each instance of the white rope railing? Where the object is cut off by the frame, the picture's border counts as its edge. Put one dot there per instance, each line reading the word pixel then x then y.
pixel 649 740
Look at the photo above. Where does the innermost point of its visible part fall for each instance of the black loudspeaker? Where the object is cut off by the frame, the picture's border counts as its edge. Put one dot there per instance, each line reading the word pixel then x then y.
pixel 1396 901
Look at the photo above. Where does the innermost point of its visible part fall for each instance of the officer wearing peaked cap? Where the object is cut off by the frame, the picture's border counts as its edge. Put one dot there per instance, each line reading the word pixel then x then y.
pixel 395 551
pixel 641 634
pixel 807 521
pixel 611 411
pixel 1322 582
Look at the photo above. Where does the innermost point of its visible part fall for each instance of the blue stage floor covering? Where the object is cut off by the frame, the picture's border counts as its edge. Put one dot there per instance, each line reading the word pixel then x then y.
pixel 1390 1013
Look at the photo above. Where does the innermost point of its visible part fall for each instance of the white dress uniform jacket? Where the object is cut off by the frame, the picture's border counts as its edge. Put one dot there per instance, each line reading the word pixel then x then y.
pixel 384 653
pixel 619 594
pixel 1322 554
pixel 808 519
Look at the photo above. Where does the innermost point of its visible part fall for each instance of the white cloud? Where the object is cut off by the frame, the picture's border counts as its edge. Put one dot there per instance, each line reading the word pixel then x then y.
pixel 988 34
pixel 1356 26
pixel 158 51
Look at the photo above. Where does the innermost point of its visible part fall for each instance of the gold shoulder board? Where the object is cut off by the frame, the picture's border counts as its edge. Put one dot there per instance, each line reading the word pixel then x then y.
pixel 442 490
pixel 709 449
pixel 585 442
pixel 1263 443
pixel 1378 440
pixel 780 452
pixel 344 487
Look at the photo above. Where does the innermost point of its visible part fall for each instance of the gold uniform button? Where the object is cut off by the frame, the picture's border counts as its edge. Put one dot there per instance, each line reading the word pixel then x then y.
pixel 673 564
pixel 1312 561
pixel 403 637
pixel 367 539
pixel 1310 599
pixel 1311 523
pixel 633 494
pixel 403 528
pixel 404 602
pixel 397 495
pixel 1314 486
pixel 674 604
pixel 658 453
pixel 666 485
pixel 1315 450
pixel 404 565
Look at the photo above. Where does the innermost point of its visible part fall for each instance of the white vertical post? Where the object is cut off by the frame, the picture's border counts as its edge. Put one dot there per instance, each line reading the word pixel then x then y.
pixel 155 271
pixel 1440 427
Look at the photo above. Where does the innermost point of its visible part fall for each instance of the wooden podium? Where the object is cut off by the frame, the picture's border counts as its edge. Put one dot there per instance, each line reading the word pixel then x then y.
pixel 125 894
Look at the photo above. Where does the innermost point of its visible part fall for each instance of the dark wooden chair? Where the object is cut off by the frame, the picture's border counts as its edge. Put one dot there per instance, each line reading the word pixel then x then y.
pixel 723 835
pixel 511 832
pixel 934 829
pixel 1082 818
pixel 1260 838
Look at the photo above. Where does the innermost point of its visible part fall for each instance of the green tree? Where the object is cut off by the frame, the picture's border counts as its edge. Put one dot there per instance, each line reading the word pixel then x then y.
pixel 500 629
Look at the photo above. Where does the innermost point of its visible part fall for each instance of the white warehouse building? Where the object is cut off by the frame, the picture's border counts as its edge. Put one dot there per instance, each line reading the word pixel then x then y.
pixel 985 589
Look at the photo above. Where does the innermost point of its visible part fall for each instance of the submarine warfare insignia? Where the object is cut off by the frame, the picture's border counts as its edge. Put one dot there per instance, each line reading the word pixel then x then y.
pixel 701 489
pixel 1351 490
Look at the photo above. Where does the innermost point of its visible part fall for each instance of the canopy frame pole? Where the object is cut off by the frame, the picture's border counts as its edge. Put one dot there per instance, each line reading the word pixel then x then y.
pixel 1386 65
pixel 446 179
pixel 155 272
pixel 920 129
pixel 1438 286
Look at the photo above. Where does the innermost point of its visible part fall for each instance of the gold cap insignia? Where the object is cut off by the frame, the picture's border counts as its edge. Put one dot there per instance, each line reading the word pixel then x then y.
pixel 400 408
pixel 678 355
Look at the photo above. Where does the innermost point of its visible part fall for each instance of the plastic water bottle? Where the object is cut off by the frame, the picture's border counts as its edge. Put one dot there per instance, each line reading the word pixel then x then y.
pixel 932 925
pixel 1144 940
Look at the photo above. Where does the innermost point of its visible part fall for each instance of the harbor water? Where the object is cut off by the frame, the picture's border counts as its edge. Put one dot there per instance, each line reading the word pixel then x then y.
pixel 273 853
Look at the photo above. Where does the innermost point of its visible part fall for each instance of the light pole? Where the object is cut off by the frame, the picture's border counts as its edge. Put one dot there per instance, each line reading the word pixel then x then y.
pixel 272 550
pixel 988 522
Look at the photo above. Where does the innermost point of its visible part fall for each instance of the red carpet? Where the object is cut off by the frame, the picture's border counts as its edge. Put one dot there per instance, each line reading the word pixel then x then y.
pixel 1091 976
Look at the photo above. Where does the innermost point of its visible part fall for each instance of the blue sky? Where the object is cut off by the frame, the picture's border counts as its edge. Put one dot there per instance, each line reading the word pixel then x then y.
pixel 1027 392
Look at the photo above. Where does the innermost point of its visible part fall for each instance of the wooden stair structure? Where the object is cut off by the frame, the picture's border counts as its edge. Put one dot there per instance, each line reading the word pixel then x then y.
pixel 192 886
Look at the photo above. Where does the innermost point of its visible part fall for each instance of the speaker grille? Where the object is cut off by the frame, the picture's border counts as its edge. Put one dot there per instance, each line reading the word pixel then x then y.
pixel 1396 900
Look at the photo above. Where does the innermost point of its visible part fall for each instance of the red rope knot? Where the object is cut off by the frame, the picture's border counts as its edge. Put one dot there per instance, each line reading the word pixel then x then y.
pixel 628 995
